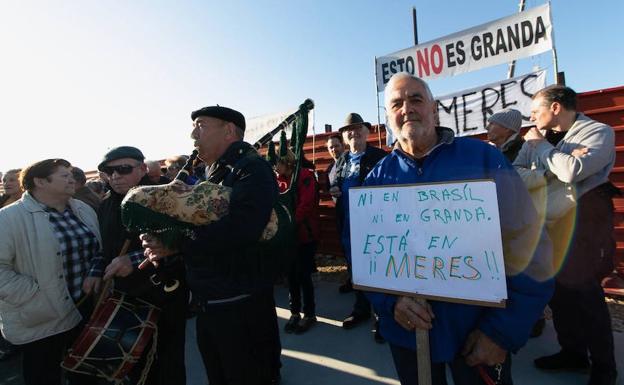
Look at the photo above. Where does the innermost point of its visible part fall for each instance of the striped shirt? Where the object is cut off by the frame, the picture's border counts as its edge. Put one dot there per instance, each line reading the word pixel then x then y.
pixel 79 246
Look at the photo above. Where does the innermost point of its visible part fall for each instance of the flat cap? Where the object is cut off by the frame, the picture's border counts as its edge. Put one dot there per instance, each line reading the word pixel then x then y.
pixel 352 120
pixel 508 118
pixel 223 113
pixel 120 153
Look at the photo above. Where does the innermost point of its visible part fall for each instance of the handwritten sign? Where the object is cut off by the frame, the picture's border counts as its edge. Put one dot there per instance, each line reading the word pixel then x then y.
pixel 441 241
pixel 467 111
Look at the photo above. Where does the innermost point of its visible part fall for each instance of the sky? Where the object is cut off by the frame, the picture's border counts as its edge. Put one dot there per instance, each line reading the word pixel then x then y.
pixel 78 77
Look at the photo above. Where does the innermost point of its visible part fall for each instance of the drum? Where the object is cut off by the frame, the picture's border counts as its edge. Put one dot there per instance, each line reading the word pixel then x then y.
pixel 115 338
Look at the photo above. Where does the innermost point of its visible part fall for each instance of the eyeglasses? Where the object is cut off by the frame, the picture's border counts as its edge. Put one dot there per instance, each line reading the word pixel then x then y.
pixel 123 169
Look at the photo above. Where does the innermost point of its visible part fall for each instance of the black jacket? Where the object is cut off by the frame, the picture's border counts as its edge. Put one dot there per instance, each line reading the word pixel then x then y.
pixel 114 234
pixel 326 183
pixel 225 259
pixel 512 148
pixel 371 156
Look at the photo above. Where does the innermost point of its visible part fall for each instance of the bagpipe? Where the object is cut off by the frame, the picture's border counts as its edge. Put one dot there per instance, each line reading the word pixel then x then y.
pixel 172 211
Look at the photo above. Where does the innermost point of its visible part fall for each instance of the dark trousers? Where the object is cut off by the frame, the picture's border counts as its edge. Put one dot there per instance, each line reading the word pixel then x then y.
pixel 237 341
pixel 41 360
pixel 168 365
pixel 580 314
pixel 582 321
pixel 300 280
pixel 5 346
pixel 362 306
pixel 405 361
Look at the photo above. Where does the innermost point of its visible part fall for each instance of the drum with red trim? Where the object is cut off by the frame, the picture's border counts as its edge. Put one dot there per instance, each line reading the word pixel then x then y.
pixel 115 338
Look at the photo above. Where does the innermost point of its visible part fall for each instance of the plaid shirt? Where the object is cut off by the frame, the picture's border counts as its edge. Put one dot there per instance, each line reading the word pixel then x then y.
pixel 78 247
pixel 99 264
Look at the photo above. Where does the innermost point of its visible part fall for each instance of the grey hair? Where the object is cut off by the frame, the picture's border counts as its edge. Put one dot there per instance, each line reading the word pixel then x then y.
pixel 239 132
pixel 150 163
pixel 400 76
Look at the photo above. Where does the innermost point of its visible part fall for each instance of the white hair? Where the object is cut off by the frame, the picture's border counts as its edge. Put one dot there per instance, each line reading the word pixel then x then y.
pixel 151 163
pixel 400 76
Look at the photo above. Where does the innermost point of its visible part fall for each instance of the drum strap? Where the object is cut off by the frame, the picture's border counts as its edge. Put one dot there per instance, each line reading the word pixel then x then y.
pixel 150 358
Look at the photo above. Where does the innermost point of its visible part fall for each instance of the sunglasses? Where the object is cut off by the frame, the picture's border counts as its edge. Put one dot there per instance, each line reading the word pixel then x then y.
pixel 123 169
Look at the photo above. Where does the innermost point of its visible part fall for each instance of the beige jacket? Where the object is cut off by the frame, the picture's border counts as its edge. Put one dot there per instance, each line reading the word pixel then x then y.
pixel 34 299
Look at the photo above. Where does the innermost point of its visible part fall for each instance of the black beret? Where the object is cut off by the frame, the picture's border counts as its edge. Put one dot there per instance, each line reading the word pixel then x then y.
pixel 223 113
pixel 120 153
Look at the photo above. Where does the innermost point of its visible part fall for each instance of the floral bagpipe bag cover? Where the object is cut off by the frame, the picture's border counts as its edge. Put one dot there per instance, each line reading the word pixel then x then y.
pixel 171 211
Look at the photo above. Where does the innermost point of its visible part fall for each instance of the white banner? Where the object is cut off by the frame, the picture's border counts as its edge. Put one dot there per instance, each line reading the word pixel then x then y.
pixel 420 239
pixel 466 112
pixel 259 126
pixel 524 34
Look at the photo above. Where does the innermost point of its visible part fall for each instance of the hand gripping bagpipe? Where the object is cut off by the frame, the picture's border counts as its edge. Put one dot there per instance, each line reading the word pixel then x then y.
pixel 171 211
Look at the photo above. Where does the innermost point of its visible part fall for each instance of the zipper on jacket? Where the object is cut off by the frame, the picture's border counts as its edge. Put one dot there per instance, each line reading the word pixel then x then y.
pixel 419 165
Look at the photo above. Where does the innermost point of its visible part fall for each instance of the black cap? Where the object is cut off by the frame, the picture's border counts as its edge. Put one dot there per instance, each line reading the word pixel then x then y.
pixel 354 120
pixel 223 113
pixel 120 153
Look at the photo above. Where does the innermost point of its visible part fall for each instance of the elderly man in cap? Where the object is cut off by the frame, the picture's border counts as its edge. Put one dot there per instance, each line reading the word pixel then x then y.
pixel 351 169
pixel 229 271
pixel 124 169
pixel 474 340
pixel 503 131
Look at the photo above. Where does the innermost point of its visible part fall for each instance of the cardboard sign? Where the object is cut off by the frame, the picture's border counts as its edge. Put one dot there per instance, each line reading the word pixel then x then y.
pixel 501 41
pixel 441 241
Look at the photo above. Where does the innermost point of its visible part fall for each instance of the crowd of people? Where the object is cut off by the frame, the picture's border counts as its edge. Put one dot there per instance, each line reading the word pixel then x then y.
pixel 63 239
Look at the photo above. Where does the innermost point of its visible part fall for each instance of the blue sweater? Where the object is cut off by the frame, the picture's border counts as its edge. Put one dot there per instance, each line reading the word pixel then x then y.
pixel 526 247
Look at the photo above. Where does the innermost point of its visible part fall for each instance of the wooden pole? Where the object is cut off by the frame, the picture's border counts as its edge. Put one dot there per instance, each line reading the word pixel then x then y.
pixel 422 352
pixel 415 24
pixel 378 117
pixel 313 139
pixel 107 284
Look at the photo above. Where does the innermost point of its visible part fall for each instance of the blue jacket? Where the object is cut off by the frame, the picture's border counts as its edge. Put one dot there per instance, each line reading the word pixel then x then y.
pixel 526 247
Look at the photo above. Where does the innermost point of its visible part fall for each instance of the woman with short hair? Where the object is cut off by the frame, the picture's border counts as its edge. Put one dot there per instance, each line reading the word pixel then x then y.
pixel 47 242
